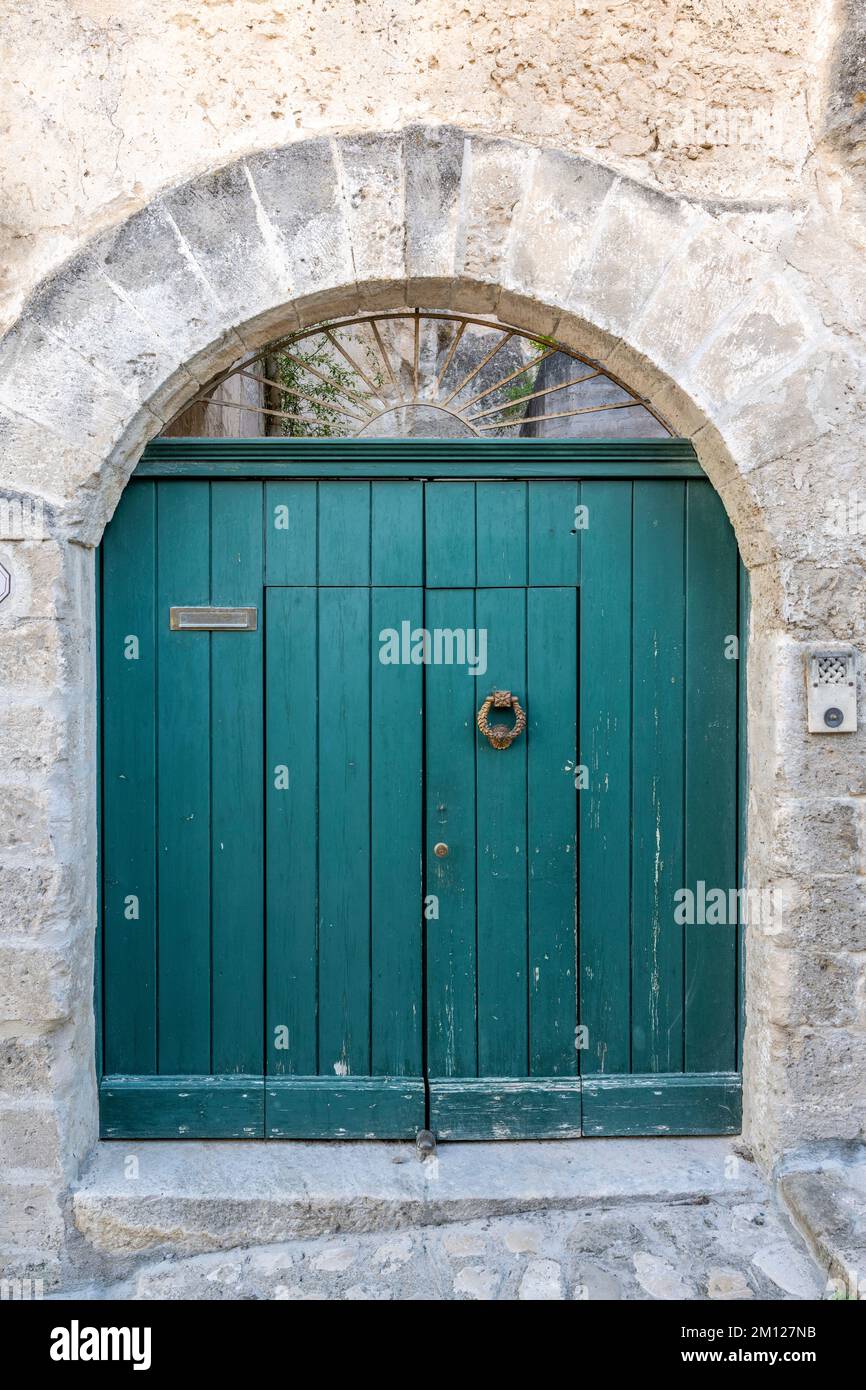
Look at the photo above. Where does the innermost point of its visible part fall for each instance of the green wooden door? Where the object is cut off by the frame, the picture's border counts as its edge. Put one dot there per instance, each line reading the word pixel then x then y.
pixel 283 953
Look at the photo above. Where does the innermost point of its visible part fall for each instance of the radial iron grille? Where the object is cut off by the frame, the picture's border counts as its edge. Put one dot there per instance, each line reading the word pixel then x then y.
pixel 418 372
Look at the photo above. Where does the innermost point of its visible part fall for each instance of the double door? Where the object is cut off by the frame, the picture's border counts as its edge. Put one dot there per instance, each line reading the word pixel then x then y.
pixel 333 905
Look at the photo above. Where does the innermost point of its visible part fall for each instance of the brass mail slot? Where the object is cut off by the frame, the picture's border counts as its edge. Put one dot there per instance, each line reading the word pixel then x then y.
pixel 213 619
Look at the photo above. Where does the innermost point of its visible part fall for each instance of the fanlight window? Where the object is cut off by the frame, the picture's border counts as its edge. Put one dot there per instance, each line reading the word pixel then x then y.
pixel 422 374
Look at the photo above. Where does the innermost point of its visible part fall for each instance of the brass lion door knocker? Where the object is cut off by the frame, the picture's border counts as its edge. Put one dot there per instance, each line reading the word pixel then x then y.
pixel 499 735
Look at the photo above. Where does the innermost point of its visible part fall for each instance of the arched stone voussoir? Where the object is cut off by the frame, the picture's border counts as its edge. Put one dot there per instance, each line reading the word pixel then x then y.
pixel 128 332
pixel 554 225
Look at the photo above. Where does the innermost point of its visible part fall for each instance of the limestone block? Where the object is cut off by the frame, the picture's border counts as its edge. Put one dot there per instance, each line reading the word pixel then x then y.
pixel 48 382
pixel 25 820
pixel 42 585
pixel 554 226
pixel 38 896
pixel 32 742
pixel 825 1096
pixel 762 337
pixel 151 265
pixel 29 1136
pixel 36 461
pixel 32 655
pixel 434 169
pixel 709 276
pixel 372 178
pixel 812 401
pixel 824 600
pixel 30 1219
pixel 808 988
pixel 28 1065
pixel 37 984
pixel 639 233
pixel 525 312
pixel 298 191
pixel 237 248
pixel 82 306
pixel 815 499
pixel 496 178
pixel 819 836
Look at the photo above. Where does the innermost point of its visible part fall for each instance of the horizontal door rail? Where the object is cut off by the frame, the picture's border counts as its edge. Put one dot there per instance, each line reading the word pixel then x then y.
pixel 401 458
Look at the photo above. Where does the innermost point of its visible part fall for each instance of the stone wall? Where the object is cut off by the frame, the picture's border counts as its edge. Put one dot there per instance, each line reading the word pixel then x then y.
pixel 165 233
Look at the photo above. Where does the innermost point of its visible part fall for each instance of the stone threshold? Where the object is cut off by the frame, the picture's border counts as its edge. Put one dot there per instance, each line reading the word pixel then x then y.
pixel 823 1191
pixel 138 1199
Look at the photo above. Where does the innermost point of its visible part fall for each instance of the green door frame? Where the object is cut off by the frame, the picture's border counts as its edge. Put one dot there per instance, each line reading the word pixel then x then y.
pixel 472 460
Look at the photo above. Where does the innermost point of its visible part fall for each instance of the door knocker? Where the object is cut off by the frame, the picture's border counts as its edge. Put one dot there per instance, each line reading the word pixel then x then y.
pixel 499 735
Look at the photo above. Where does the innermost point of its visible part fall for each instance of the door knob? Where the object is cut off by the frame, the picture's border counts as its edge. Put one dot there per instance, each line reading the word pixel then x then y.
pixel 440 850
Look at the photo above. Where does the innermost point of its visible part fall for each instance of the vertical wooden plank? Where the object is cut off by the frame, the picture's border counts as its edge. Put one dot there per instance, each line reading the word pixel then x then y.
pixel 503 1043
pixel 711 777
pixel 449 535
pixel 554 533
pixel 183 799
pixel 129 726
pixel 290 533
pixel 396 847
pixel 605 753
pixel 551 749
pixel 344 831
pixel 744 616
pixel 236 785
pixel 98 995
pixel 657 772
pixel 291 806
pixel 344 533
pixel 501 526
pixel 452 697
pixel 397 546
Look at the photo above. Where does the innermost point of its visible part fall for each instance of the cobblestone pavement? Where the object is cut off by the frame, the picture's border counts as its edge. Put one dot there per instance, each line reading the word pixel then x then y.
pixel 690 1250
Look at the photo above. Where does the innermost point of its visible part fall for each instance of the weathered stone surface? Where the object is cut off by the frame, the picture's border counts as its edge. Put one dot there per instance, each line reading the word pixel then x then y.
pixel 229 237
pixel 709 278
pixel 32 655
pixel 639 233
pixel 497 174
pixel 37 896
pixel 801 407
pixel 555 222
pixel 29 1136
pixel 826 1204
pixel 30 1220
pixel 37 986
pixel 434 169
pixel 47 382
pixel 697 1250
pixel 764 336
pixel 372 177
pixel 208 1196
pixel 304 215
pixel 148 262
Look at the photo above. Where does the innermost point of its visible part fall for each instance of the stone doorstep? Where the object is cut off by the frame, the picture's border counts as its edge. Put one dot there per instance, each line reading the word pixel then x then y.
pixel 190 1197
pixel 826 1203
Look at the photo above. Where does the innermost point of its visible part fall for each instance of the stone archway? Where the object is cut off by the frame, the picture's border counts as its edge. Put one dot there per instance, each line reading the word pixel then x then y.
pixel 673 298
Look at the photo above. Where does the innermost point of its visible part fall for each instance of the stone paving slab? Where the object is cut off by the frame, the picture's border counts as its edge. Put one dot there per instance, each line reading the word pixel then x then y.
pixel 703 1249
pixel 137 1198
